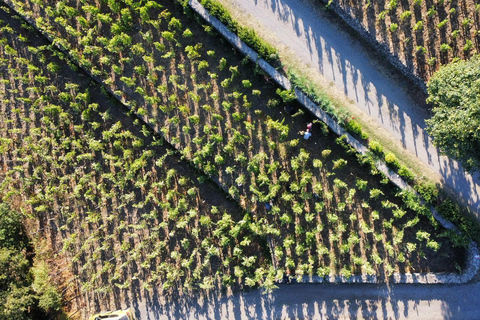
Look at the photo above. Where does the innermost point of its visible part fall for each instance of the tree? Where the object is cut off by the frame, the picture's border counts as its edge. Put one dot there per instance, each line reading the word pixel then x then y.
pixel 454 92
pixel 12 234
pixel 16 296
pixel 26 292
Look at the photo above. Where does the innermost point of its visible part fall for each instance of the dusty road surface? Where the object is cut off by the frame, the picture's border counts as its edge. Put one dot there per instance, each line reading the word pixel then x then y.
pixel 322 44
pixel 320 301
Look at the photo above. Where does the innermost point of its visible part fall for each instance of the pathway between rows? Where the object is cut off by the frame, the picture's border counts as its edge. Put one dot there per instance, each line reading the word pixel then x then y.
pixel 303 27
pixel 303 301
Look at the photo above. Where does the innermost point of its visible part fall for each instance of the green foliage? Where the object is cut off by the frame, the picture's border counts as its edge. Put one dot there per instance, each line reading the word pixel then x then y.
pixel 391 159
pixel 48 297
pixel 361 184
pixel 286 95
pixel 375 147
pixel 19 297
pixel 355 128
pixel 340 163
pixel 454 92
pixel 405 15
pixel 393 27
pixel 418 26
pixel 463 220
pixel 326 153
pixel 427 190
pixel 442 24
pixel 256 174
pixel 247 35
pixel 12 234
pixel 405 173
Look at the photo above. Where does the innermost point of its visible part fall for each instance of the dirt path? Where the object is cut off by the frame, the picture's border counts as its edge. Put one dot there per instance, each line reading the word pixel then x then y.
pixel 328 302
pixel 322 45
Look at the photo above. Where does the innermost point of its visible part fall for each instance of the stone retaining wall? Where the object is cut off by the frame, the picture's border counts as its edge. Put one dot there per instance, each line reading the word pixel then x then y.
pixel 472 263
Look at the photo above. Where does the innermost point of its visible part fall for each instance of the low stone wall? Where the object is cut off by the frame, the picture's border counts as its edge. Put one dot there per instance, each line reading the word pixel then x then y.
pixel 472 264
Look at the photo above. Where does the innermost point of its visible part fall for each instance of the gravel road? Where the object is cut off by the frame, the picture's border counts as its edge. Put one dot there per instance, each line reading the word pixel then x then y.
pixel 303 301
pixel 375 88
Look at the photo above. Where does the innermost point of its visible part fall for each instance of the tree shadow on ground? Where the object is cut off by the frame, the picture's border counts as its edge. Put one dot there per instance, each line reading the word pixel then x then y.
pixel 323 301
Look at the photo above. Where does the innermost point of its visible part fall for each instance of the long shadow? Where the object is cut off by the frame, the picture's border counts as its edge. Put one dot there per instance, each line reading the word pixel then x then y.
pixel 325 301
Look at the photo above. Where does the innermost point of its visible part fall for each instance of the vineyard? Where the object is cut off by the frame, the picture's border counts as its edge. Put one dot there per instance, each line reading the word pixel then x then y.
pixel 105 192
pixel 423 34
pixel 169 195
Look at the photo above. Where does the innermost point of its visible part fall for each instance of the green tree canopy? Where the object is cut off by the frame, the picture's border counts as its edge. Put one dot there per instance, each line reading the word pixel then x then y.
pixel 12 234
pixel 454 92
pixel 26 291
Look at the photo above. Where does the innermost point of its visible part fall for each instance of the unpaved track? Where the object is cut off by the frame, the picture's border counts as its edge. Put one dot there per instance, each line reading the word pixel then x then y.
pixel 303 27
pixel 303 301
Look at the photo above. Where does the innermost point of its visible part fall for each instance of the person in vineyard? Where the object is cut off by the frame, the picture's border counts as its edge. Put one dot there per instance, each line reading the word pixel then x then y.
pixel 269 205
pixel 307 134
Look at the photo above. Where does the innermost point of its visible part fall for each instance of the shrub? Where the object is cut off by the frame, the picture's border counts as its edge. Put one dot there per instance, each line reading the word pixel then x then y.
pixel 317 163
pixel 272 103
pixel 355 128
pixel 346 273
pixel 219 159
pixel 434 245
pixel 392 5
pixel 464 221
pixel 294 142
pixel 222 64
pixel 390 158
pixel 468 45
pixel 187 33
pixel 428 191
pixel 246 83
pixel 375 147
pixel 431 11
pixel 48 297
pixel 466 22
pixel 405 173
pixel 375 193
pixel 444 47
pixel 422 235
